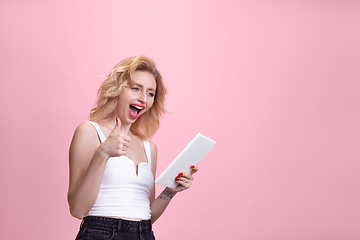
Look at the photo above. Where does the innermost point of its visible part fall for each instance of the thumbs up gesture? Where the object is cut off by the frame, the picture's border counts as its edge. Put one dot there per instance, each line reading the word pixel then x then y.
pixel 118 141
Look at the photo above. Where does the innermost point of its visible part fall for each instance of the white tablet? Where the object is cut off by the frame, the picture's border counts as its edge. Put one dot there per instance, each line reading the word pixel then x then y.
pixel 191 155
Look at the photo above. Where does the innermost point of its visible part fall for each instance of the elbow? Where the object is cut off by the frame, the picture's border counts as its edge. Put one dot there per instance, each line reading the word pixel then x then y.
pixel 153 220
pixel 76 213
pixel 154 216
pixel 75 210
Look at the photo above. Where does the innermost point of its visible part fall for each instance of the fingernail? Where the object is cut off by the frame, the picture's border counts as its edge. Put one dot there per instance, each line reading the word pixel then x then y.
pixel 176 179
pixel 178 176
pixel 181 174
pixel 192 166
pixel 117 118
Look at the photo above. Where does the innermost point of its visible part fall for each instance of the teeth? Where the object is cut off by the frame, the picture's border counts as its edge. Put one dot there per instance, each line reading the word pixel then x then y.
pixel 140 108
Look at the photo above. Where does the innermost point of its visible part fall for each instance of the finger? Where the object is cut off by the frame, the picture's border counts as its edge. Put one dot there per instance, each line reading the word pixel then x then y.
pixel 186 175
pixel 125 143
pixel 184 182
pixel 117 126
pixel 122 152
pixel 127 138
pixel 123 128
pixel 194 169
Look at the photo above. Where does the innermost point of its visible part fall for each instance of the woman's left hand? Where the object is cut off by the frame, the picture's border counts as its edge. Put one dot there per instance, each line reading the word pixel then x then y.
pixel 185 180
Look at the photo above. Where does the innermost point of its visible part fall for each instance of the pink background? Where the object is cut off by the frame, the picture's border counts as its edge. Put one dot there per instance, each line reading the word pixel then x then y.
pixel 275 83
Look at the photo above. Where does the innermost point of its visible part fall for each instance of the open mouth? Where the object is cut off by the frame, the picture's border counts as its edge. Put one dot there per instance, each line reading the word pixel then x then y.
pixel 135 111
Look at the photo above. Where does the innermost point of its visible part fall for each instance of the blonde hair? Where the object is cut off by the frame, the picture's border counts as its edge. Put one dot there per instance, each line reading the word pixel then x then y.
pixel 148 123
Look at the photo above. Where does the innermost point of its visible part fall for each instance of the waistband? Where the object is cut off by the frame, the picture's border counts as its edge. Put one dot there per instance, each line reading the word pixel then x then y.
pixel 118 224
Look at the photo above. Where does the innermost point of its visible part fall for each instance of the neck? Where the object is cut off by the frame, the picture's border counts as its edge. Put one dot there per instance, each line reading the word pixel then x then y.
pixel 110 122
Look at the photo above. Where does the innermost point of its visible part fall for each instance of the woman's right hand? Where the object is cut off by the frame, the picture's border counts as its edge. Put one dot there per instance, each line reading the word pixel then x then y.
pixel 117 142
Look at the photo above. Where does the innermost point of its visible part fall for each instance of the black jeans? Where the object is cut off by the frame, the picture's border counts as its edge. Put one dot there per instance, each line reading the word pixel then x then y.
pixel 101 228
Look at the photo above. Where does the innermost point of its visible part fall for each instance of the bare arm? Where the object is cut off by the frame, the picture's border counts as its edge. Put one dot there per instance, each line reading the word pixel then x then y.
pixel 88 158
pixel 87 166
pixel 158 205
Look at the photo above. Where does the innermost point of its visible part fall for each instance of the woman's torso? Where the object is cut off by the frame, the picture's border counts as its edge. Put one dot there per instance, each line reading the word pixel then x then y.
pixel 127 182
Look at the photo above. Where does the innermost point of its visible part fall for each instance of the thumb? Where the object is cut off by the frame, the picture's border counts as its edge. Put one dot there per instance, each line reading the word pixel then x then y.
pixel 121 128
pixel 117 125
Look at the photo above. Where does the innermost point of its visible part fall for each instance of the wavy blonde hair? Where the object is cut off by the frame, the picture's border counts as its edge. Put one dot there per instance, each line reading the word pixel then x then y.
pixel 121 76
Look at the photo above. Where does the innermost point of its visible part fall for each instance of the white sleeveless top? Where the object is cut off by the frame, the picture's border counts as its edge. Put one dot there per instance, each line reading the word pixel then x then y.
pixel 122 192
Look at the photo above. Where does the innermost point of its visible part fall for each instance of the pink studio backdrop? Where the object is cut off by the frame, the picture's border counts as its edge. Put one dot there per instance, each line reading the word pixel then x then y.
pixel 275 83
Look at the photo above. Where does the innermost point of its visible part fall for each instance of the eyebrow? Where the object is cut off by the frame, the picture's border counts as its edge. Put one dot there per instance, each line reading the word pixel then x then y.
pixel 139 85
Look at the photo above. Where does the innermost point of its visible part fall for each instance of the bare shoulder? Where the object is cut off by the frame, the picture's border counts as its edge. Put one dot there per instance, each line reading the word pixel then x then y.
pixel 153 150
pixel 153 147
pixel 85 128
pixel 85 136
pixel 85 131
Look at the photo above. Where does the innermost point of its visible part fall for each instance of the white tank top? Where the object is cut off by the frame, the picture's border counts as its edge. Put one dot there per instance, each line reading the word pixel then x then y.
pixel 122 192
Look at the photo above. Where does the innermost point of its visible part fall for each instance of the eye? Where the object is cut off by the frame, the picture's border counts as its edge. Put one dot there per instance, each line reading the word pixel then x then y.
pixel 135 88
pixel 151 94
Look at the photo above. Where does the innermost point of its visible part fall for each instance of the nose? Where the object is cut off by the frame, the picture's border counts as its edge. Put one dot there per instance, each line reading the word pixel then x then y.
pixel 142 97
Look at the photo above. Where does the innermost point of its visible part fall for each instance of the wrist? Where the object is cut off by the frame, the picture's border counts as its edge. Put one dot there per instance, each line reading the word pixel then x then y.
pixel 167 194
pixel 101 152
pixel 172 191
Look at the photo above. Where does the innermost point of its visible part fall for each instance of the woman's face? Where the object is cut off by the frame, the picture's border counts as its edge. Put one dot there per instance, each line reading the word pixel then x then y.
pixel 137 99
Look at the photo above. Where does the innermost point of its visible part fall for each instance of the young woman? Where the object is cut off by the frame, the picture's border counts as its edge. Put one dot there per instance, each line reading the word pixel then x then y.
pixel 112 165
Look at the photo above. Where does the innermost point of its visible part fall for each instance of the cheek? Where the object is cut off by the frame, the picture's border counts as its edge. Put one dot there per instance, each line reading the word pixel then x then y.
pixel 150 105
pixel 152 102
